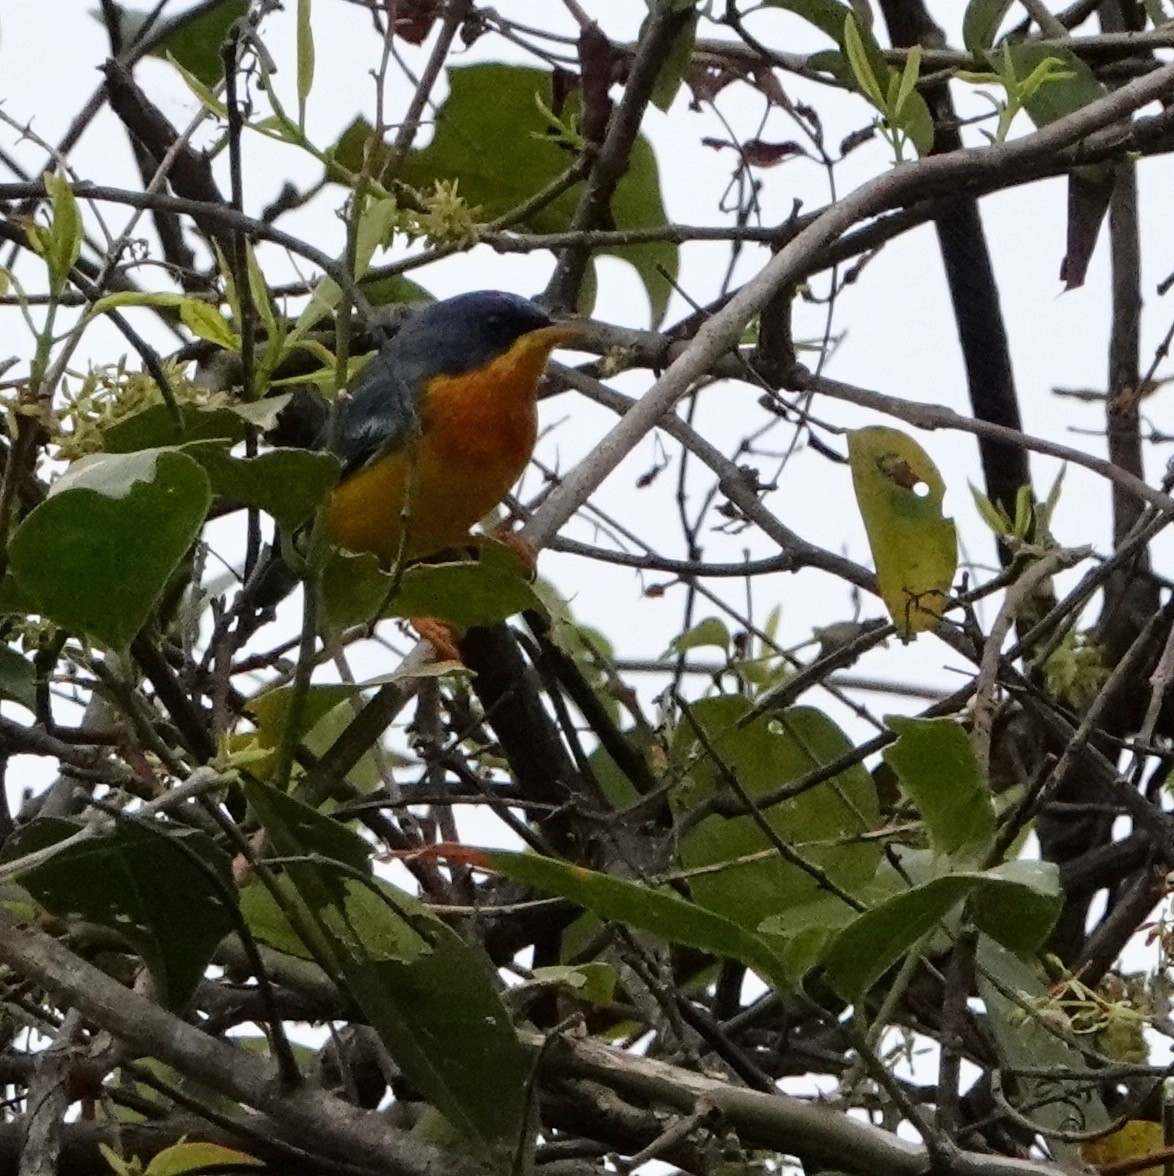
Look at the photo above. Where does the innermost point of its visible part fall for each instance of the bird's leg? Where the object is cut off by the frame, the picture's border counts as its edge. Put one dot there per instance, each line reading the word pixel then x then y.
pixel 442 636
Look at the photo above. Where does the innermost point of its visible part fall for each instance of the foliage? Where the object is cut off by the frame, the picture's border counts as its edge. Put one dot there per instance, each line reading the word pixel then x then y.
pixel 523 910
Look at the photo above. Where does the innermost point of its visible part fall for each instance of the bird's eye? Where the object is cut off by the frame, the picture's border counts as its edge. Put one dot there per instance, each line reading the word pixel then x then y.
pixel 494 320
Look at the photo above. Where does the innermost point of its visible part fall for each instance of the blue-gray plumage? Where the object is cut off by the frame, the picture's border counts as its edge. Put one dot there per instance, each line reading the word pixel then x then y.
pixel 448 338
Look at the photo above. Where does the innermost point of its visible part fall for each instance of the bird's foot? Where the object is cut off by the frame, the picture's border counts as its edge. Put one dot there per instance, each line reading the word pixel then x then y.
pixel 442 636
pixel 526 552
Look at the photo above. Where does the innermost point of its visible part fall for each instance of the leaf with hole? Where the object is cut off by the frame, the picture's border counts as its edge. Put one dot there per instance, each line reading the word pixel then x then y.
pixel 915 548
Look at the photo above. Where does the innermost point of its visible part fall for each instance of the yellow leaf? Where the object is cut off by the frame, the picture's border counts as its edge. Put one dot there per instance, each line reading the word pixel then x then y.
pixel 915 549
pixel 1137 1138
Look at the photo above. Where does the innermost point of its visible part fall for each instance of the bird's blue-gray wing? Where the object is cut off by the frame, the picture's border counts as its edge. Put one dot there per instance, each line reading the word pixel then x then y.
pixel 382 412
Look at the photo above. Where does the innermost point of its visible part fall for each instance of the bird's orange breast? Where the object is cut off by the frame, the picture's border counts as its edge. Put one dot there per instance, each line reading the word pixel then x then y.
pixel 477 434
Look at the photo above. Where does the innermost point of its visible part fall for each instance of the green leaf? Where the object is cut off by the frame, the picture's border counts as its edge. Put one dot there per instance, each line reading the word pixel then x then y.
pixel 827 15
pixel 263 304
pixel 1022 913
pixel 94 556
pixel 909 76
pixel 18 678
pixel 443 1021
pixel 593 983
pixel 303 827
pixel 373 231
pixel 937 770
pixel 994 516
pixel 613 783
pixel 327 711
pixel 1046 510
pixel 424 991
pixel 467 593
pixel 862 68
pixel 871 944
pixel 353 587
pixel 1055 83
pixel 711 631
pixel 268 922
pixel 354 914
pixel 195 45
pixel 822 825
pixel 910 112
pixel 118 1165
pixel 305 59
pixel 288 484
pixel 1058 96
pixel 676 62
pixel 154 428
pixel 981 23
pixel 367 925
pixel 491 138
pixel 184 1157
pixel 659 912
pixel 208 323
pixel 261 414
pixel 917 123
pixel 139 883
pixel 390 289
pixel 1022 1042
pixel 915 549
pixel 861 65
pixel 63 242
pixel 13 602
pixel 122 298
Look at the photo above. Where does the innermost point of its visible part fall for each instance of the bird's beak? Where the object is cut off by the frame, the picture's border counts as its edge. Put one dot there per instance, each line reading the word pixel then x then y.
pixel 548 338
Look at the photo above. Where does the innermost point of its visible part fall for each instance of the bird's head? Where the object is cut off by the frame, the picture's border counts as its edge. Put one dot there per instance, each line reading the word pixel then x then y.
pixel 468 332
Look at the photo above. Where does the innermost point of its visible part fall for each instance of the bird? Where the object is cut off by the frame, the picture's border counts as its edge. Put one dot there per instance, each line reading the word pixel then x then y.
pixel 440 425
